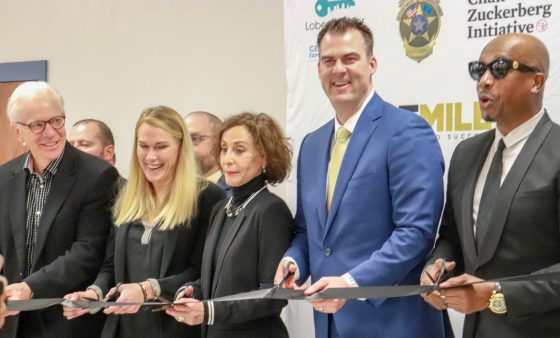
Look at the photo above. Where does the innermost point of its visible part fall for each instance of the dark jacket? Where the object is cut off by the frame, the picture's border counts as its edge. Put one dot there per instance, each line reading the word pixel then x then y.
pixel 523 236
pixel 71 239
pixel 247 260
pixel 182 255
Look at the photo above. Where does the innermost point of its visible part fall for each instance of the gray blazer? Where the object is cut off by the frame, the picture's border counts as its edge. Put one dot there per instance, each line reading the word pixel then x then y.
pixel 523 238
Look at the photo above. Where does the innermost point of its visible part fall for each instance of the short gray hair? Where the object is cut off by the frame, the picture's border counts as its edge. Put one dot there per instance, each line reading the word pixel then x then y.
pixel 30 89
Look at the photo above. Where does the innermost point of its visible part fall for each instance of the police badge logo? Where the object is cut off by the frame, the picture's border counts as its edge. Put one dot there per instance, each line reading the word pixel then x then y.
pixel 419 23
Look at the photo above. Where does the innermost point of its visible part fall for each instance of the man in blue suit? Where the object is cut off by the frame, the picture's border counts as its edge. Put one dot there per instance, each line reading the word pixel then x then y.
pixel 371 218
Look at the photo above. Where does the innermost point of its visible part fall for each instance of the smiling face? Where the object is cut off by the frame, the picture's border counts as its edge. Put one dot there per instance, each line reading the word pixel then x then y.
pixel 345 71
pixel 48 145
pixel 240 158
pixel 157 153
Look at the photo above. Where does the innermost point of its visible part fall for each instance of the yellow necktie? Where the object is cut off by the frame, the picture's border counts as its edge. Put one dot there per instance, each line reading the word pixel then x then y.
pixel 342 136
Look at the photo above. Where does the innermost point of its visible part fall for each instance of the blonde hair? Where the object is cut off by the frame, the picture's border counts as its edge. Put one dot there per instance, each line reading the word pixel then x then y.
pixel 137 200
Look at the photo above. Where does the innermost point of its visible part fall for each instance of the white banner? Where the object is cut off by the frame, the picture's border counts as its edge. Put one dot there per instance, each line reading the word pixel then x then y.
pixel 422 49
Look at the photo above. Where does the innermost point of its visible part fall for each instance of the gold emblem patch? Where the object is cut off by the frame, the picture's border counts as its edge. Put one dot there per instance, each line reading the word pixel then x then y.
pixel 419 23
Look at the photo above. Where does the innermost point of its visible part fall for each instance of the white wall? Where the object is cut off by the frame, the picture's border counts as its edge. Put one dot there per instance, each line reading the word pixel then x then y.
pixel 112 58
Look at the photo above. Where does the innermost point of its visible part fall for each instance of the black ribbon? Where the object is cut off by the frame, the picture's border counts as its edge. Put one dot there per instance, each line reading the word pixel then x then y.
pixel 287 294
pixel 38 304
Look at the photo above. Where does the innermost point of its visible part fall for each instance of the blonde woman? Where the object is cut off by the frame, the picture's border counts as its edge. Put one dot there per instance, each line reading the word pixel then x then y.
pixel 161 219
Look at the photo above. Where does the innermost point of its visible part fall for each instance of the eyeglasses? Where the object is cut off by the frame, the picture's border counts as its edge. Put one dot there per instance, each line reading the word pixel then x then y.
pixel 498 68
pixel 37 127
pixel 198 139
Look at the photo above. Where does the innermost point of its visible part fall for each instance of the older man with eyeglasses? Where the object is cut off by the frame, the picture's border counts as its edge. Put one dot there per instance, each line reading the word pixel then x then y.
pixel 502 214
pixel 54 215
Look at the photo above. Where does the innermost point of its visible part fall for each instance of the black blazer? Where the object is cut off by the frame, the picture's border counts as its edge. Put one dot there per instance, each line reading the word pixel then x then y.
pixel 182 256
pixel 71 238
pixel 247 260
pixel 524 235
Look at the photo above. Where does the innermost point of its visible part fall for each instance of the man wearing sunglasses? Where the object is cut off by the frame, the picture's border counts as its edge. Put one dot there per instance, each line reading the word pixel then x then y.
pixel 502 212
pixel 54 215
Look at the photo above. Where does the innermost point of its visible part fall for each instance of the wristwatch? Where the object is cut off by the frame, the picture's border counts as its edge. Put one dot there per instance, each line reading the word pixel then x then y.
pixel 497 302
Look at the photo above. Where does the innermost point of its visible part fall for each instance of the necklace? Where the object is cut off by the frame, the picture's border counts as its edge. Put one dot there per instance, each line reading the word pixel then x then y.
pixel 231 212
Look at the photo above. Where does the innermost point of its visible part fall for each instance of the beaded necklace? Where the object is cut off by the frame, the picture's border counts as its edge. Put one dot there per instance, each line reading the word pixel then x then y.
pixel 231 212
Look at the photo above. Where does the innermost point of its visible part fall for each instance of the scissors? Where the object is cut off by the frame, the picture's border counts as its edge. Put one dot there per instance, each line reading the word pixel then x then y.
pixel 441 277
pixel 288 274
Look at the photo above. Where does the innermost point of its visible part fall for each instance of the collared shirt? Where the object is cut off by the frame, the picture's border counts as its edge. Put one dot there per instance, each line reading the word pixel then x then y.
pixel 514 142
pixel 38 187
pixel 350 124
pixel 214 177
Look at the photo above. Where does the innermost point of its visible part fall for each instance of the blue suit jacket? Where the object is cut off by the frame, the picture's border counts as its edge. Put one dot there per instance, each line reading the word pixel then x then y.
pixel 383 219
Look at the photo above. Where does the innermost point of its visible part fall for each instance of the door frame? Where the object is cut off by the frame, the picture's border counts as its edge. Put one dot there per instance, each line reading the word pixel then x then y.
pixel 14 72
pixel 23 71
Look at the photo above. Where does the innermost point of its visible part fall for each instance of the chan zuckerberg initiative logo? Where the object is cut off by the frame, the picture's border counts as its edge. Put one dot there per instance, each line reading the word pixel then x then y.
pixel 419 23
pixel 324 7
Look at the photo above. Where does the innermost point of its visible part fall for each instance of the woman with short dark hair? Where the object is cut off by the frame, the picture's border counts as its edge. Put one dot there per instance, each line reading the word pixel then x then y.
pixel 248 235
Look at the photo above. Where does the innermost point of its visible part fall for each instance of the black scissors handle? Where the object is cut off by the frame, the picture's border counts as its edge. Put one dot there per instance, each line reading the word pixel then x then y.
pixel 287 275
pixel 441 277
pixel 115 295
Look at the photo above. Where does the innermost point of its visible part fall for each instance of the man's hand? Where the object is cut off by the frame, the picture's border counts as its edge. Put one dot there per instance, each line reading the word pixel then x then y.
pixel 327 305
pixel 283 268
pixel 433 271
pixel 467 299
pixel 18 291
pixel 71 312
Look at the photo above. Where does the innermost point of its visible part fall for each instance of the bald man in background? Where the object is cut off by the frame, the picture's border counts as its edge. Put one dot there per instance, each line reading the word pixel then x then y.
pixel 204 128
pixel 502 211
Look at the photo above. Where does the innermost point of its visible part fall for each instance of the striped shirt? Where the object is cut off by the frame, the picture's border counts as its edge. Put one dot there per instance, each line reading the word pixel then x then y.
pixel 38 187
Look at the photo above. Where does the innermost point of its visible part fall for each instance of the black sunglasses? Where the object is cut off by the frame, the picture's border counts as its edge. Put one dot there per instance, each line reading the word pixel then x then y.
pixel 498 68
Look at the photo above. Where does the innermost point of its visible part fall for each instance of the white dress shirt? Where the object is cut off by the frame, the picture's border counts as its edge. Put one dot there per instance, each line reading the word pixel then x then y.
pixel 514 142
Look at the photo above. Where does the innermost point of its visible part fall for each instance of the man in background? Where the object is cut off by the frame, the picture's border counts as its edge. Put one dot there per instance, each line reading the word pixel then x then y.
pixel 93 137
pixel 204 128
